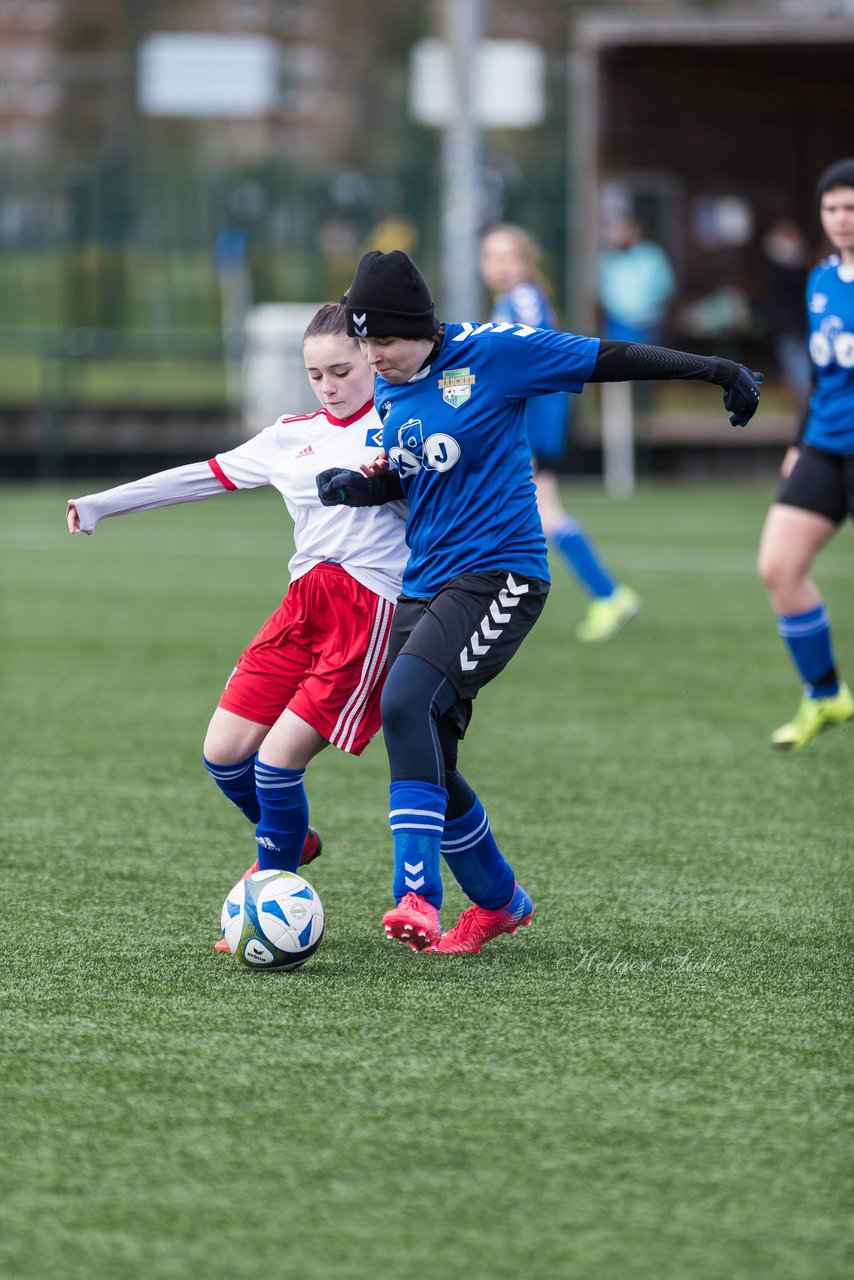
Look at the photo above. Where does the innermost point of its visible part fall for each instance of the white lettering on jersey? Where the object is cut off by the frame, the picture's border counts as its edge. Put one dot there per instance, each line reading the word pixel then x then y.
pixel 407 463
pixel 843 350
pixel 441 452
pixel 438 452
pixel 831 344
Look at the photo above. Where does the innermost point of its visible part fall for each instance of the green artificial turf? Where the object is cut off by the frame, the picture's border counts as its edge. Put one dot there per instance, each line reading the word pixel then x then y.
pixel 649 1084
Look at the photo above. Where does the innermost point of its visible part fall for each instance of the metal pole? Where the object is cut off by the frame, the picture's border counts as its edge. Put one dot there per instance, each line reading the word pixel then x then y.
pixel 462 24
pixel 618 439
pixel 615 398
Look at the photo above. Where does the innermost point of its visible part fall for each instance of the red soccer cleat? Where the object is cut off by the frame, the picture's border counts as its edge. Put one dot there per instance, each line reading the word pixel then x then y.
pixel 414 922
pixel 312 848
pixel 478 926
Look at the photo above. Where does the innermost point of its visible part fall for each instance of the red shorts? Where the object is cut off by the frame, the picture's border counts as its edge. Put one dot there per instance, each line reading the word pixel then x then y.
pixel 322 655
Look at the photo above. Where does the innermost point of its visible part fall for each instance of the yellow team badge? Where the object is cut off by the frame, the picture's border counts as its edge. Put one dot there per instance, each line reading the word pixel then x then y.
pixel 456 385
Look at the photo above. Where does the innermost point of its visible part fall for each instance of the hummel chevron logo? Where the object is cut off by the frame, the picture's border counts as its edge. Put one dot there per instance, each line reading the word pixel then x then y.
pixel 508 597
pixel 411 868
pixel 360 325
pixel 469 330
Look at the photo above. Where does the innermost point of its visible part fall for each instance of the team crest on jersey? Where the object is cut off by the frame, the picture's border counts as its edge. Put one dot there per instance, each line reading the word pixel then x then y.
pixel 456 385
pixel 374 437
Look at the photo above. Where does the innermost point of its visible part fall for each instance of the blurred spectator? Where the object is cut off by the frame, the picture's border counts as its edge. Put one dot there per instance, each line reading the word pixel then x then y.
pixel 636 282
pixel 522 295
pixel 393 232
pixel 785 259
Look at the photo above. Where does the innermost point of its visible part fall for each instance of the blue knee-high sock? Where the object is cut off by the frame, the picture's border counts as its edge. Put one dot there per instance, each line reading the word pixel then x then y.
pixel 284 817
pixel 237 783
pixel 807 637
pixel 583 559
pixel 417 817
pixel 477 864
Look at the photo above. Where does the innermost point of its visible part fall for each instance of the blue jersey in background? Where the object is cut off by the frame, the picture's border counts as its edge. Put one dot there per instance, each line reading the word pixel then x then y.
pixel 546 418
pixel 830 316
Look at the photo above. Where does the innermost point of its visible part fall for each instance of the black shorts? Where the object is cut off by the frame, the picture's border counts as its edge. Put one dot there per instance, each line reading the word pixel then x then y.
pixel 821 482
pixel 470 629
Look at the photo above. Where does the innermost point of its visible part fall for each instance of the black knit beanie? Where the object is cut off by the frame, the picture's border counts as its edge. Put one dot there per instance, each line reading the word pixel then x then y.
pixel 840 174
pixel 389 299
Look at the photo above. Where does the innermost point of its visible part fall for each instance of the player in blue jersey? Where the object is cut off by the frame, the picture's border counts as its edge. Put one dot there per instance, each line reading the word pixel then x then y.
pixel 509 266
pixel 452 401
pixel 817 493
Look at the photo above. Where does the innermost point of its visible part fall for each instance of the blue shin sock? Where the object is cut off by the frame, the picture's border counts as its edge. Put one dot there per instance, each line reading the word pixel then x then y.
pixel 477 864
pixel 237 783
pixel 807 637
pixel 583 559
pixel 282 829
pixel 417 816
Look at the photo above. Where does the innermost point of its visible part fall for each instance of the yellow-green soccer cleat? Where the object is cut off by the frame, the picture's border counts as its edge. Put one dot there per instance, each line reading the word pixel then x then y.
pixel 606 617
pixel 812 717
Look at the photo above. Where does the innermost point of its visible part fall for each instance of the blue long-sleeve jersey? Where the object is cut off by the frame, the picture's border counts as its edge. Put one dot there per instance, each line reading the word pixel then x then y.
pixel 456 433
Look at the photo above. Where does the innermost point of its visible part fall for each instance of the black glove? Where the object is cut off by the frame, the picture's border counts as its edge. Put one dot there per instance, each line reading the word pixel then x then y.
pixel 338 488
pixel 741 400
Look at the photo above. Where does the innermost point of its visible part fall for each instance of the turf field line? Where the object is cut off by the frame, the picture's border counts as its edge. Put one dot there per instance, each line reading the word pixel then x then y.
pixel 707 560
pixel 652 557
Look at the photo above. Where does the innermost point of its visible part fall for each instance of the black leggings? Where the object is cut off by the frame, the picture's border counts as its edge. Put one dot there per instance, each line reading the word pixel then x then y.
pixel 421 739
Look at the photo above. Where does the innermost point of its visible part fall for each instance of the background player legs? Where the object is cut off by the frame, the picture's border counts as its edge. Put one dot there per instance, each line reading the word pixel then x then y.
pixel 791 539
pixel 612 604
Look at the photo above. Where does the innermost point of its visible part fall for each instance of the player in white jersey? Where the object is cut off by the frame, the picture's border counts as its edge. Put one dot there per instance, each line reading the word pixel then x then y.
pixel 314 672
pixel 509 266
pixel 453 399
pixel 817 493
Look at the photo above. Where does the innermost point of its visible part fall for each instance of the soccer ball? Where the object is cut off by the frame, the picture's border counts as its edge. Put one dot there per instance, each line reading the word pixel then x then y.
pixel 272 920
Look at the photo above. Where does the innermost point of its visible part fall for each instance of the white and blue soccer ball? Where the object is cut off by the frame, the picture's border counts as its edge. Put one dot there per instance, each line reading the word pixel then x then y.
pixel 272 920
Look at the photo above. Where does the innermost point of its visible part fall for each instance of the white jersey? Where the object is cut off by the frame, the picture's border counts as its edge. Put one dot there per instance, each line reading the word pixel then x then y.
pixel 366 541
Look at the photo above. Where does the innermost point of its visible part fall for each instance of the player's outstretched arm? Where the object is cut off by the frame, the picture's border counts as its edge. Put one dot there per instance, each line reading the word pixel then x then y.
pixel 636 362
pixel 189 483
